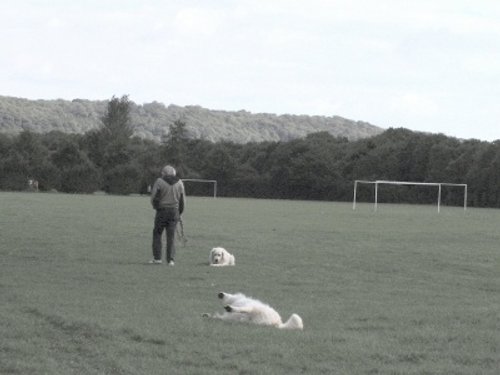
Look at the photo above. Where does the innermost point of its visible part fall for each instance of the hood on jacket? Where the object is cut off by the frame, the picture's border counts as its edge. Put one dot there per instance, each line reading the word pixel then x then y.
pixel 171 180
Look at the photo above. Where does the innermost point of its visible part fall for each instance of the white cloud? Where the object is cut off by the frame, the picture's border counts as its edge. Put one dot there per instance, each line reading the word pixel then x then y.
pixel 487 63
pixel 197 21
pixel 413 104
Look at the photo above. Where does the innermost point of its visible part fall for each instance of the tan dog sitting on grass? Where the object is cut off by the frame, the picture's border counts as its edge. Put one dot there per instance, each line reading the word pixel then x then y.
pixel 220 257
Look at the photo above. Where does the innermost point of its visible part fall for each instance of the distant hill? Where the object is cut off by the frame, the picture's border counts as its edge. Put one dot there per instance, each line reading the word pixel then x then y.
pixel 152 120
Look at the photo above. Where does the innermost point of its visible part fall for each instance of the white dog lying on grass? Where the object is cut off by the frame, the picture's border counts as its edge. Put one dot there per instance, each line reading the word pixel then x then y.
pixel 241 308
pixel 220 257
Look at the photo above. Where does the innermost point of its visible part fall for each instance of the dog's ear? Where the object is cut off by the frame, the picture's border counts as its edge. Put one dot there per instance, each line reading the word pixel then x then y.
pixel 222 255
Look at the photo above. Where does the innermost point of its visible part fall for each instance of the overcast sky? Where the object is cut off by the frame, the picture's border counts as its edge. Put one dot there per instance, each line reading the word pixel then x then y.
pixel 426 65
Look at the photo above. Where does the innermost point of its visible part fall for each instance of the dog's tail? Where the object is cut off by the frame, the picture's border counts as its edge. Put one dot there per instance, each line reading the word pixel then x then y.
pixel 294 322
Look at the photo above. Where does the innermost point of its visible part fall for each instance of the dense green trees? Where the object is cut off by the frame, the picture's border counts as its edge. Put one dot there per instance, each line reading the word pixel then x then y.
pixel 319 166
pixel 77 173
pixel 151 121
pixel 175 146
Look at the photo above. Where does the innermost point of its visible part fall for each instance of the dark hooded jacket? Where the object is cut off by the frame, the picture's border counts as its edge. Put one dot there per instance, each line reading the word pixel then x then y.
pixel 168 192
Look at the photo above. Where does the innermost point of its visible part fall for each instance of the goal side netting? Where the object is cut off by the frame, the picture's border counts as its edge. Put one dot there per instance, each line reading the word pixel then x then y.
pixel 377 183
pixel 201 180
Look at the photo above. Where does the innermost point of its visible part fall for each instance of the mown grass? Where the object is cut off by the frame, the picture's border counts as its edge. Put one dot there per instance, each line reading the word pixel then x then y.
pixel 400 291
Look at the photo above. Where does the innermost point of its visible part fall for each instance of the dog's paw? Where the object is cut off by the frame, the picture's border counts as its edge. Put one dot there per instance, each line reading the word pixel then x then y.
pixel 228 308
pixel 221 295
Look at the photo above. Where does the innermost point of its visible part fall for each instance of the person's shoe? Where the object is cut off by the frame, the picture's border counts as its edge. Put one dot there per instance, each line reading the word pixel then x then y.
pixel 155 261
pixel 171 263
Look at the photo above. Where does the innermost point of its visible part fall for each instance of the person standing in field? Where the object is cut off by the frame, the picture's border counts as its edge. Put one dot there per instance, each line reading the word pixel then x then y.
pixel 168 199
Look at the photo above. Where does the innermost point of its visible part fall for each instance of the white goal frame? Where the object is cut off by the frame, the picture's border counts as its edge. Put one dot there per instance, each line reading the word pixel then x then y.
pixel 214 182
pixel 381 182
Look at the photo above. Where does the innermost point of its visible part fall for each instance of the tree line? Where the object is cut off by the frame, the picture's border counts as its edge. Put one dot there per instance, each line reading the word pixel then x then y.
pixel 151 121
pixel 319 166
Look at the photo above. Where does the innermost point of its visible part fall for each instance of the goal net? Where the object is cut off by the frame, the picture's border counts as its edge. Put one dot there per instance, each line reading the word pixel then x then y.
pixel 377 183
pixel 212 183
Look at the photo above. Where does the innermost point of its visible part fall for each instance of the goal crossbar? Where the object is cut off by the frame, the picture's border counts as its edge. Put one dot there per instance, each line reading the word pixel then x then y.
pixel 203 180
pixel 386 182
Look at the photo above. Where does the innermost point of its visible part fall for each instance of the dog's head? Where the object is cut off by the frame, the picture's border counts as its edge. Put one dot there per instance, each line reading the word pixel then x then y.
pixel 217 255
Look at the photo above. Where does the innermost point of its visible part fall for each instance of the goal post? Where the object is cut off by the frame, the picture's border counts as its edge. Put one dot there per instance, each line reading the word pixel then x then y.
pixel 213 182
pixel 384 182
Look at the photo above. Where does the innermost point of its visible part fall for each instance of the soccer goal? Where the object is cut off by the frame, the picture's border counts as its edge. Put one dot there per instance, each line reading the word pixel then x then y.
pixel 383 182
pixel 213 182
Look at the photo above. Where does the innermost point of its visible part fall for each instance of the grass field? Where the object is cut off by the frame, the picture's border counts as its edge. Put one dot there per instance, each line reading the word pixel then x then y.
pixel 401 291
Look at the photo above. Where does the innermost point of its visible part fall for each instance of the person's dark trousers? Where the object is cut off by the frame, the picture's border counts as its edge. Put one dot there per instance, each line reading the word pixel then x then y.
pixel 165 219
